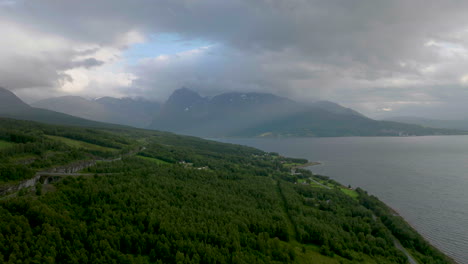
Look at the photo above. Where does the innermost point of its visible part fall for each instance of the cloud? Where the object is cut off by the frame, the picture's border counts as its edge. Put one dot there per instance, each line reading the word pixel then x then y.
pixel 87 63
pixel 37 64
pixel 365 54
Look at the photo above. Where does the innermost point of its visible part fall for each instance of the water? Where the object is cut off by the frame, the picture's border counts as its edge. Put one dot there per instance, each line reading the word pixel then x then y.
pixel 425 179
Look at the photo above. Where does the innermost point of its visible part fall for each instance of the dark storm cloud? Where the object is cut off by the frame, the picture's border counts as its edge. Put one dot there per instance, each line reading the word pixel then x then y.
pixel 337 49
pixel 366 30
pixel 87 63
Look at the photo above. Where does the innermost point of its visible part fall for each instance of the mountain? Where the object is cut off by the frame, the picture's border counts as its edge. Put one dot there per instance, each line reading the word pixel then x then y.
pixel 262 114
pixel 74 105
pixel 125 111
pixel 9 102
pixel 13 107
pixel 335 108
pixel 436 123
pixel 128 111
pixel 187 112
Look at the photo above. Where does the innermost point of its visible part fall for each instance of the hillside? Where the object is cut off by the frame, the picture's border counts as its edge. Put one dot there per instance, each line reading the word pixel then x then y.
pixel 436 123
pixel 74 105
pixel 9 102
pixel 13 107
pixel 267 115
pixel 139 196
pixel 225 115
pixel 124 111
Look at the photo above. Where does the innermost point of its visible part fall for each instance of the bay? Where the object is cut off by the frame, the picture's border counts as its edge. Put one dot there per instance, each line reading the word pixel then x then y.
pixel 425 179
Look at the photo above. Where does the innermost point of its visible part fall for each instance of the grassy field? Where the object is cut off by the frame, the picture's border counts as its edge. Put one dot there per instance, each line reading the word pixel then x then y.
pixel 4 144
pixel 80 144
pixel 157 161
pixel 309 254
pixel 352 193
pixel 291 165
pixel 326 183
pixel 314 184
pixel 301 180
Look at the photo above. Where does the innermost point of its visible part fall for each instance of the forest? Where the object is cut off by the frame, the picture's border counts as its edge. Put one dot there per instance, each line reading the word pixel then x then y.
pixel 178 199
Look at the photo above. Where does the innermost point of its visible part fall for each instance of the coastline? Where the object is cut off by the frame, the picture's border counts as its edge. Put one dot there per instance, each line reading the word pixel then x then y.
pixel 395 213
pixel 286 148
pixel 406 251
pixel 308 164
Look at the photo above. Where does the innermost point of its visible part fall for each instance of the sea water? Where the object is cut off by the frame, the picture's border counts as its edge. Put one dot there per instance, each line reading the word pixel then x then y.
pixel 425 179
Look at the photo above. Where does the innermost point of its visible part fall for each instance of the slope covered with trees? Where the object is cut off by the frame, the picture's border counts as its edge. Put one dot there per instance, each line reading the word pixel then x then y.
pixel 180 199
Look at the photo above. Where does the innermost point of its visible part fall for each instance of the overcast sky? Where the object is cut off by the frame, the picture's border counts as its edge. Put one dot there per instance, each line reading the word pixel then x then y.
pixel 383 58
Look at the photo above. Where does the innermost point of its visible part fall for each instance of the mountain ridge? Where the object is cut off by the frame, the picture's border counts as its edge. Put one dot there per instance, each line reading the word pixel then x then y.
pixel 10 102
pixel 13 107
pixel 234 114
pixel 124 111
pixel 461 124
pixel 260 114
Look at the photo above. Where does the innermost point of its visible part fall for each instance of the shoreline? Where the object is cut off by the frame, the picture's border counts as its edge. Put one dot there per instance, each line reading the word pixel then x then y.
pixel 395 213
pixel 308 164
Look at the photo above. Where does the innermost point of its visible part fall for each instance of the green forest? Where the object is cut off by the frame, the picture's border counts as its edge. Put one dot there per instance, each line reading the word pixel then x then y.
pixel 156 197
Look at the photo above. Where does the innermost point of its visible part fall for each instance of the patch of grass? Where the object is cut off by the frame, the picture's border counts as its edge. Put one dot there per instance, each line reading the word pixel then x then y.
pixel 157 161
pixel 314 184
pixel 290 165
pixel 326 183
pixel 80 144
pixel 23 158
pixel 301 180
pixel 312 256
pixel 352 193
pixel 5 144
pixel 20 157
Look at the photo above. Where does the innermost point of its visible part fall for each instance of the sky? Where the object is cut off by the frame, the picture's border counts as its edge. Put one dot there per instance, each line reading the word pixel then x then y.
pixel 382 58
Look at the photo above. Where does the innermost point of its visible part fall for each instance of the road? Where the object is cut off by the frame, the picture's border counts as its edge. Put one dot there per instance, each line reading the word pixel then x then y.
pixel 6 192
pixel 64 174
pixel 402 249
pixel 328 187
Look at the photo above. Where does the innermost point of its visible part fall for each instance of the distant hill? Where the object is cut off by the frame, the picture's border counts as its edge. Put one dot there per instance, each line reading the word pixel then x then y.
pixel 436 123
pixel 262 114
pixel 125 111
pixel 187 112
pixel 336 108
pixel 224 115
pixel 13 107
pixel 9 102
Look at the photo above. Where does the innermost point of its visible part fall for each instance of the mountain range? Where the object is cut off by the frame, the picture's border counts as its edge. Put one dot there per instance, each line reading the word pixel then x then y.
pixel 267 115
pixel 13 107
pixel 125 111
pixel 226 115
pixel 428 122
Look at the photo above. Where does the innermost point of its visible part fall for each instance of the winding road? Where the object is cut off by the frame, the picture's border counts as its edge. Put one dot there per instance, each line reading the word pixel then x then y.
pixel 68 170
